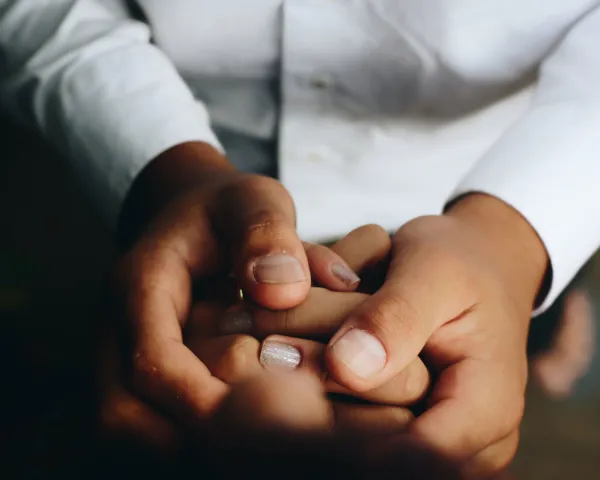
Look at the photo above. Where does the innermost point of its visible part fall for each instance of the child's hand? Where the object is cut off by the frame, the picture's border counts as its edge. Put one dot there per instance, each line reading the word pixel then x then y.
pixel 460 291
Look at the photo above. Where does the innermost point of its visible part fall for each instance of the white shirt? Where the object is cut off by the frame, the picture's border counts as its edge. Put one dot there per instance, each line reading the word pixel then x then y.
pixel 383 109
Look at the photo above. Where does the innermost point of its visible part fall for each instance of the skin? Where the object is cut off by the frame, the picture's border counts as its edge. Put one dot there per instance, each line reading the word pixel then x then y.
pixel 485 271
pixel 459 290
pixel 234 359
pixel 281 423
pixel 191 217
pixel 278 423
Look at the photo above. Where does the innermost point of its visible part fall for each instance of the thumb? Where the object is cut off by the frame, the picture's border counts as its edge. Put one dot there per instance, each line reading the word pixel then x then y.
pixel 256 218
pixel 389 329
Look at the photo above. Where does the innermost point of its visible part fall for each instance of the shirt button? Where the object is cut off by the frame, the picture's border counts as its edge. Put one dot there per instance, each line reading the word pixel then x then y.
pixel 321 81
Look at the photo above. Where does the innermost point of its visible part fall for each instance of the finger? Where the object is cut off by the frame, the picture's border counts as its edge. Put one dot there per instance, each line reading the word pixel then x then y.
pixel 336 268
pixel 232 359
pixel 256 218
pixel 238 358
pixel 369 420
pixel 157 303
pixel 405 389
pixel 365 246
pixel 373 264
pixel 202 321
pixel 473 404
pixel 319 316
pixel 122 416
pixel 494 460
pixel 389 329
pixel 329 269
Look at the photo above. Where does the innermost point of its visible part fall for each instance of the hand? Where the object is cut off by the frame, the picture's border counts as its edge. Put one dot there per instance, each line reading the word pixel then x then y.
pixel 234 359
pixel 460 291
pixel 278 424
pixel 189 217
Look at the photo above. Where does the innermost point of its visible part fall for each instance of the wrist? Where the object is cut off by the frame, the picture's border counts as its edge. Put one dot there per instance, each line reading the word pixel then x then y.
pixel 172 173
pixel 508 240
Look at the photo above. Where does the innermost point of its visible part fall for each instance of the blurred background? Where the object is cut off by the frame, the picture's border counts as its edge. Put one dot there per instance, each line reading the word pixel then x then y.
pixel 54 257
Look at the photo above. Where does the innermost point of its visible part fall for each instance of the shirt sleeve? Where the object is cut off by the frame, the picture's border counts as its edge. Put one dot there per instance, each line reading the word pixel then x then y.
pixel 86 76
pixel 547 165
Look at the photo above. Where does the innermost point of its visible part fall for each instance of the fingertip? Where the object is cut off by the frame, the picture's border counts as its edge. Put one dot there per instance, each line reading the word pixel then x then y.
pixel 364 246
pixel 277 280
pixel 329 269
pixel 355 359
pixel 377 341
pixel 298 353
pixel 279 269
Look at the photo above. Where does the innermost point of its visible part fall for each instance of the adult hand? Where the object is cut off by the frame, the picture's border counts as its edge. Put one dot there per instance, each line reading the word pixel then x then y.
pixel 460 292
pixel 190 216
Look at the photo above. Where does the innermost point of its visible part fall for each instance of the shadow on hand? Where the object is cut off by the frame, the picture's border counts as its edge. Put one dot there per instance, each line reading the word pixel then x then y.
pixel 278 425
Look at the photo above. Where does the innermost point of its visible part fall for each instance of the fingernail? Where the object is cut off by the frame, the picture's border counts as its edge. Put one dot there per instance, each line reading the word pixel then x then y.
pixel 279 355
pixel 345 274
pixel 278 268
pixel 234 322
pixel 361 352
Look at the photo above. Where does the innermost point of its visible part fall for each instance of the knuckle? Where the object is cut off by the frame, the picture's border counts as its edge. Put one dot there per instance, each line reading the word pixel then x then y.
pixel 510 419
pixel 287 320
pixel 494 460
pixel 377 234
pixel 266 226
pixel 511 449
pixel 267 322
pixel 240 359
pixel 392 316
pixel 452 261
pixel 266 222
pixel 379 240
pixel 401 417
pixel 416 382
pixel 258 183
pixel 515 413
pixel 373 231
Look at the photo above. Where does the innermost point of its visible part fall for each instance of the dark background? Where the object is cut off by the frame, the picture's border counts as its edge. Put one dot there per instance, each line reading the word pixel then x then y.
pixel 54 257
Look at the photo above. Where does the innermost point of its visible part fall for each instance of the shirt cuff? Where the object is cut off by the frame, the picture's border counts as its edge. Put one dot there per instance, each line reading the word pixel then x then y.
pixel 547 167
pixel 113 128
